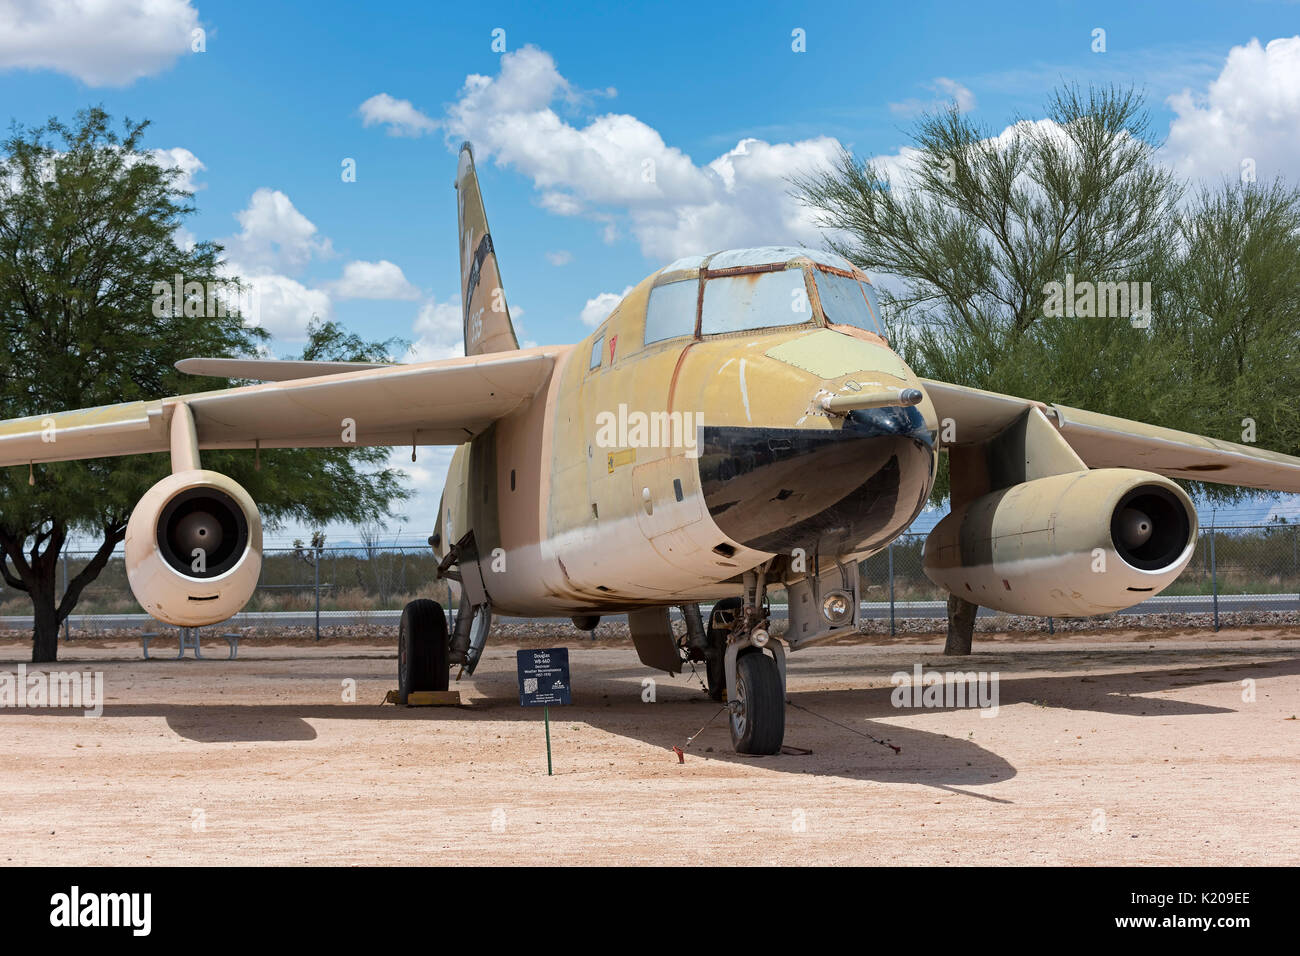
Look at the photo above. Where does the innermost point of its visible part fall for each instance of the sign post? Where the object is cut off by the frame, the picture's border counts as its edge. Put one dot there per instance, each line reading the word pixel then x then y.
pixel 543 681
pixel 546 713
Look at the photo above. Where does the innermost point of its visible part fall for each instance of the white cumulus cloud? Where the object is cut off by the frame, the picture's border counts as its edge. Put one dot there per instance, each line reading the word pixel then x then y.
pixel 374 280
pixel 275 241
pixel 100 42
pixel 178 157
pixel 278 303
pixel 1250 111
pixel 598 307
pixel 399 116
pixel 439 331
pixel 275 236
pixel 619 172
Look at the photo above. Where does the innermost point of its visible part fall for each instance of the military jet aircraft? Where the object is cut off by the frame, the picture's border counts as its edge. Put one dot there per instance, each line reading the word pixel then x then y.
pixel 736 424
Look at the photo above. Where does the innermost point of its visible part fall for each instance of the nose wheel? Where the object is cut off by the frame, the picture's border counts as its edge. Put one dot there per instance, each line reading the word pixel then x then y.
pixel 758 707
pixel 754 668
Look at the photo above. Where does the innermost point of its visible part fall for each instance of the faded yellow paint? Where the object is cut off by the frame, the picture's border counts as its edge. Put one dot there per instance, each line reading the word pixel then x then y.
pixel 831 355
pixel 484 308
pixel 1011 549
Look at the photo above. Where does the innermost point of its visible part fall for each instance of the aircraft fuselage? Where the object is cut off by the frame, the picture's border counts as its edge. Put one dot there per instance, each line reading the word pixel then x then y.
pixel 656 473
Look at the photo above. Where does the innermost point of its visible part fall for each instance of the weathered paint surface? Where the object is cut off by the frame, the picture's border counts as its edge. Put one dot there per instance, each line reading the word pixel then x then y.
pixel 485 310
pixel 592 525
pixel 1046 546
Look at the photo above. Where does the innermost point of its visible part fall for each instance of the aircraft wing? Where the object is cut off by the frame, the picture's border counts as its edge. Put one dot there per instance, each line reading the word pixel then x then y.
pixel 1103 441
pixel 269 370
pixel 445 402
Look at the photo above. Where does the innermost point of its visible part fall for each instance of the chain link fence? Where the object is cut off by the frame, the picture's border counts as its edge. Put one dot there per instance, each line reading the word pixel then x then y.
pixel 1241 568
pixel 358 586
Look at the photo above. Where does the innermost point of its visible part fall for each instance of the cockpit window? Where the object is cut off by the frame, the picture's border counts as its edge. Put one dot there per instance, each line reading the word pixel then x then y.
pixel 755 300
pixel 597 352
pixel 670 312
pixel 874 302
pixel 847 301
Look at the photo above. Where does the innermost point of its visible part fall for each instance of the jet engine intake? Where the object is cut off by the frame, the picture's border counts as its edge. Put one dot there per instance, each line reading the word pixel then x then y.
pixel 1071 545
pixel 194 548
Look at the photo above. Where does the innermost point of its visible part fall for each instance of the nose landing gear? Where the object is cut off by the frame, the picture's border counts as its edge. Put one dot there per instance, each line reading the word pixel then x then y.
pixel 754 668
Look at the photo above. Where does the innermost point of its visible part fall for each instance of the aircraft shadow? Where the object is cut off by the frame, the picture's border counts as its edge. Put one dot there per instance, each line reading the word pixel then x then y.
pixel 833 724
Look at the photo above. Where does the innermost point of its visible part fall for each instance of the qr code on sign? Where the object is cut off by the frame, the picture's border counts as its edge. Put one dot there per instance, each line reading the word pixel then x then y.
pixel 530 685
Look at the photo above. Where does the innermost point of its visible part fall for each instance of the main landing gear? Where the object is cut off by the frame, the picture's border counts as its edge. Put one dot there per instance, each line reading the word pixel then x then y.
pixel 421 648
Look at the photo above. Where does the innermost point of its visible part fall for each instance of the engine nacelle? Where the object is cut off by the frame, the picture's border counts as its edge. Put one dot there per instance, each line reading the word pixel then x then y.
pixel 194 548
pixel 1072 545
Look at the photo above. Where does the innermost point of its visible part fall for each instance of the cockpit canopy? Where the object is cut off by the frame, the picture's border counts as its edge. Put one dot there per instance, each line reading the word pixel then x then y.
pixel 762 288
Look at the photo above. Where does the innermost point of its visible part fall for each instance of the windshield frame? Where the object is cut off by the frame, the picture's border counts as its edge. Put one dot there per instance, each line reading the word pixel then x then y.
pixel 814 312
pixel 808 267
pixel 862 280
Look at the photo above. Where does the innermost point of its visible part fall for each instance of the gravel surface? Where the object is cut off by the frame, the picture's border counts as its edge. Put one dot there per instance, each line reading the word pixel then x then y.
pixel 1112 747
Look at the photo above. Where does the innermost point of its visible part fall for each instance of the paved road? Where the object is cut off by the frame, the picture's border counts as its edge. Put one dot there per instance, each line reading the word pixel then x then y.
pixel 1164 604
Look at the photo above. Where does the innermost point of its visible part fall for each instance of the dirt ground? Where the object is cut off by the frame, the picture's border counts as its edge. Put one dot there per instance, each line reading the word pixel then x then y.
pixel 1119 747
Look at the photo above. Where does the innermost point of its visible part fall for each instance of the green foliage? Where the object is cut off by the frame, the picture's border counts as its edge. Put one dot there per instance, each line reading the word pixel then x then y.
pixel 1234 299
pixel 970 235
pixel 86 228
pixel 88 224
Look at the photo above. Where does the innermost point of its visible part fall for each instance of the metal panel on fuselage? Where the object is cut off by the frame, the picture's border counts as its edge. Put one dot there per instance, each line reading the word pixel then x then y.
pixel 615 551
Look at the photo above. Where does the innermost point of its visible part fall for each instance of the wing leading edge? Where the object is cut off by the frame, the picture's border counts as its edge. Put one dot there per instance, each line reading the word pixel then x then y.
pixel 446 402
pixel 269 370
pixel 1104 441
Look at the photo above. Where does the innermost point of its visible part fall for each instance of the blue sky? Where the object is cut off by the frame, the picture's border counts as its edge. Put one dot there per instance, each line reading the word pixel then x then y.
pixel 713 96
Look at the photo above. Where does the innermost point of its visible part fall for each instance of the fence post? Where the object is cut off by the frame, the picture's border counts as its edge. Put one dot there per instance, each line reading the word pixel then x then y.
pixel 1214 579
pixel 316 572
pixel 67 627
pixel 891 589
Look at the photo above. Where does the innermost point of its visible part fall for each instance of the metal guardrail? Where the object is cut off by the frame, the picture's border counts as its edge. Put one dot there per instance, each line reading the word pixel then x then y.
pixel 1236 568
pixel 873 610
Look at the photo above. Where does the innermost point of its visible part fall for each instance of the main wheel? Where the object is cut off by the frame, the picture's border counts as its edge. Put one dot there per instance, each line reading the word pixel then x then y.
pixel 715 669
pixel 758 718
pixel 421 648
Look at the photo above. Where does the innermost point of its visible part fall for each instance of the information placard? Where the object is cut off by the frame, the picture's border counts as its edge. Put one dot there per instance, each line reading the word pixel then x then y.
pixel 543 676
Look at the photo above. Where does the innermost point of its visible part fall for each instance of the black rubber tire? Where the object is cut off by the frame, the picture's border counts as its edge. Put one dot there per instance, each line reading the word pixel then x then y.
pixel 715 669
pixel 421 648
pixel 760 729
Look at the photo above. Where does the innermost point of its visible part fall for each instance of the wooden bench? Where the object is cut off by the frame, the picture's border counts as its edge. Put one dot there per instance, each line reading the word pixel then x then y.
pixel 189 637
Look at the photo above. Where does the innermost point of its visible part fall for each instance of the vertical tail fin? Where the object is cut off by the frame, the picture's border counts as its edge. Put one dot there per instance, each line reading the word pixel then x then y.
pixel 483 300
